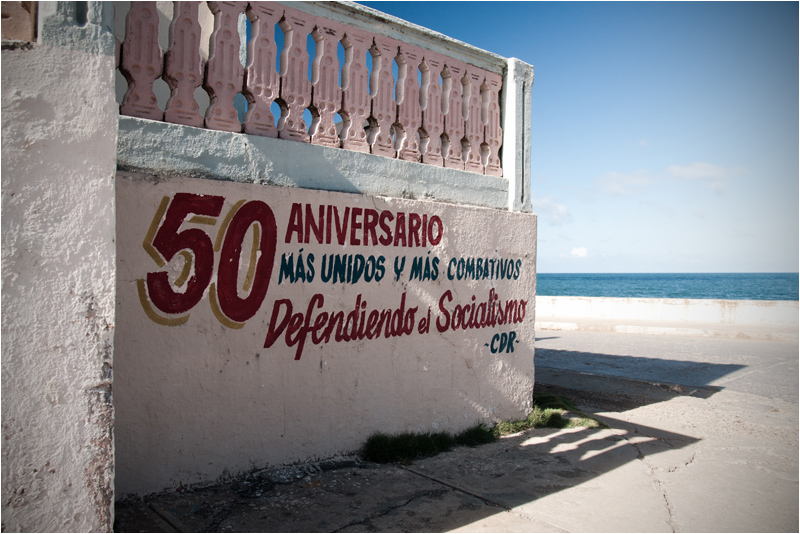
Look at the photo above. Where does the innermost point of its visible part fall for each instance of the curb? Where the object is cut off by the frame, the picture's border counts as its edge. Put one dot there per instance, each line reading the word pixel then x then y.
pixel 681 389
pixel 612 393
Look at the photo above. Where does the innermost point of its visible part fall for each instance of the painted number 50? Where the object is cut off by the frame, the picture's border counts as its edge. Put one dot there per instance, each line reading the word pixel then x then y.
pixel 165 240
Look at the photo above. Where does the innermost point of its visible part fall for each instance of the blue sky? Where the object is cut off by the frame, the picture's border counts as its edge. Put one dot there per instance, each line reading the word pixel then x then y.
pixel 665 135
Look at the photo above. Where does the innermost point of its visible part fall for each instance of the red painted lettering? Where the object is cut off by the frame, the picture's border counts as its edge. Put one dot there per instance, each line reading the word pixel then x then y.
pixel 341 231
pixel 370 222
pixel 435 221
pixel 400 229
pixel 295 225
pixel 314 226
pixel 414 222
pixel 275 329
pixel 355 225
pixel 442 327
pixel 385 218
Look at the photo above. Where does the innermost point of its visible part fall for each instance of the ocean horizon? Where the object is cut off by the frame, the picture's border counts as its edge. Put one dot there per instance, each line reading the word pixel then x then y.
pixel 726 286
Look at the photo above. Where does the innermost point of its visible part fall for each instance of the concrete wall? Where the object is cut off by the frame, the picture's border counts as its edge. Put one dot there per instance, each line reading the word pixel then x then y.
pixel 202 391
pixel 205 389
pixel 706 311
pixel 59 124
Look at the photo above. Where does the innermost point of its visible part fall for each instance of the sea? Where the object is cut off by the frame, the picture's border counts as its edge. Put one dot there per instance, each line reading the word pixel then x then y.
pixel 728 286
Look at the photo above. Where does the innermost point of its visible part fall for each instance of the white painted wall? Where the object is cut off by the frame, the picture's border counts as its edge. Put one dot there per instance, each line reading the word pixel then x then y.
pixel 705 311
pixel 202 399
pixel 59 124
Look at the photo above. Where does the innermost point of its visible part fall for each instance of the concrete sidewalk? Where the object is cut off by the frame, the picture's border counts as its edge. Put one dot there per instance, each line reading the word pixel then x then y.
pixel 674 459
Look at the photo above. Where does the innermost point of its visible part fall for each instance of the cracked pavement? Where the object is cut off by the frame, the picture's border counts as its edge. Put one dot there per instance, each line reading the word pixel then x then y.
pixel 675 459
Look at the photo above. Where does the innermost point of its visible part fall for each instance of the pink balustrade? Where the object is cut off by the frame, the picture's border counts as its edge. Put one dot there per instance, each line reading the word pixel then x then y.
pixel 436 111
pixel 141 62
pixel 262 81
pixel 183 67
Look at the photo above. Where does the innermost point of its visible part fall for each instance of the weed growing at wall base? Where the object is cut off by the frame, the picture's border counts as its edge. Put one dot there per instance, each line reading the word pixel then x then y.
pixel 405 447
pixel 548 411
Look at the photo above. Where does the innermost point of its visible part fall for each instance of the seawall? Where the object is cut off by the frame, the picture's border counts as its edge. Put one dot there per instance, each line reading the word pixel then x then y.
pixel 743 319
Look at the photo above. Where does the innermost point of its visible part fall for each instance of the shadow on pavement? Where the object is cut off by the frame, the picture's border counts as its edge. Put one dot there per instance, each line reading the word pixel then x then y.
pixel 519 470
pixel 654 370
pixel 606 393
pixel 454 490
pixel 443 493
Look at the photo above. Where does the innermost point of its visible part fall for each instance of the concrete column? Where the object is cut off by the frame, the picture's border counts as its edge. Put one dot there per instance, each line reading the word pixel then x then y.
pixel 516 106
pixel 59 130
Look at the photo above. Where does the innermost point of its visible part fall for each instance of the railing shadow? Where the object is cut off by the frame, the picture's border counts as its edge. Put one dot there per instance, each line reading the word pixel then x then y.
pixel 519 470
pixel 456 490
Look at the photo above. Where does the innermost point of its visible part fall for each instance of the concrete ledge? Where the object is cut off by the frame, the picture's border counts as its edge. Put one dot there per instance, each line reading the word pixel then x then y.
pixel 160 148
pixel 751 312
pixel 702 330
pixel 732 319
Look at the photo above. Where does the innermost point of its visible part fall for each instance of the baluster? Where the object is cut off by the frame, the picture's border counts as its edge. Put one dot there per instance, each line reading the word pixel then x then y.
pixel 384 108
pixel 261 77
pixel 409 112
pixel 225 73
pixel 453 117
pixel 493 133
pixel 142 62
pixel 355 90
pixel 473 123
pixel 183 66
pixel 295 87
pixel 327 95
pixel 432 117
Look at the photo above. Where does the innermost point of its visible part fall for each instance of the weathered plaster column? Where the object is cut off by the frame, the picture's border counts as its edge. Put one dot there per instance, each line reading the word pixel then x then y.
pixel 59 130
pixel 516 104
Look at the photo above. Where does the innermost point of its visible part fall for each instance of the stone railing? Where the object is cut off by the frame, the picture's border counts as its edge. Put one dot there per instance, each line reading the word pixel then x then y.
pixel 365 91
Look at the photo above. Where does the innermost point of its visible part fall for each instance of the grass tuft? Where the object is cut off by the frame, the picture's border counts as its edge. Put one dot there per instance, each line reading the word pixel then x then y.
pixel 405 447
pixel 547 400
pixel 548 411
pixel 477 435
pixel 538 418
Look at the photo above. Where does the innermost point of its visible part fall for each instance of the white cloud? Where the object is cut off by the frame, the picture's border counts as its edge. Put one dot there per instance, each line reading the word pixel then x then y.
pixel 698 171
pixel 716 176
pixel 623 184
pixel 549 207
pixel 579 252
